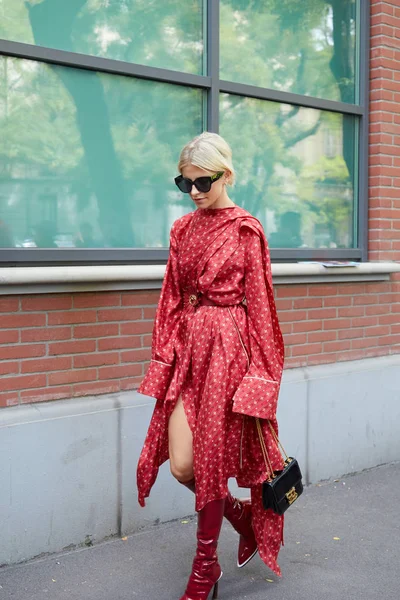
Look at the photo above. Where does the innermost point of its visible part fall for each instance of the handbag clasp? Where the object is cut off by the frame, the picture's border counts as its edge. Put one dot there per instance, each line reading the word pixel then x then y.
pixel 291 495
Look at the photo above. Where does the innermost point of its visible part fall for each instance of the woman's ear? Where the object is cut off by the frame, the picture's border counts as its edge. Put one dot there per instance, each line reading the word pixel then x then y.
pixel 227 177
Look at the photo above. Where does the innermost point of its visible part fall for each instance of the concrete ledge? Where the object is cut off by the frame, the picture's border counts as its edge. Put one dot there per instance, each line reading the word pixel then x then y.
pixel 39 280
pixel 68 467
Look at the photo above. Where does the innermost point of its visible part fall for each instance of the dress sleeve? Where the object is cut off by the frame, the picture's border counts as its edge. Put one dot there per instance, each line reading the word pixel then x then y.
pixel 159 373
pixel 257 394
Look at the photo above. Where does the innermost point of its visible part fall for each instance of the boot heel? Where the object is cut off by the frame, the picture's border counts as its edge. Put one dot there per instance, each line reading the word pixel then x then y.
pixel 215 593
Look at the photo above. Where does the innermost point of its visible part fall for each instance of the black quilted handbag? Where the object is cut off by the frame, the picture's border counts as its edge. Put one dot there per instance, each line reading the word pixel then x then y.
pixel 283 487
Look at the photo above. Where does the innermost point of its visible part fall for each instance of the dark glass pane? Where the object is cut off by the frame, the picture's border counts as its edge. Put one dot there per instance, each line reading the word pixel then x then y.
pixel 305 47
pixel 88 159
pixel 295 170
pixel 161 33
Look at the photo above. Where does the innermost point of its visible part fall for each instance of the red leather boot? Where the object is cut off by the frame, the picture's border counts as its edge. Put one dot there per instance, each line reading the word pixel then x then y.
pixel 206 571
pixel 238 514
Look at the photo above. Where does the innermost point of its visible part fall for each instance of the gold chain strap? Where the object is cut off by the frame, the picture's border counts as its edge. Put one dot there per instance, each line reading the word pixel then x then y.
pixel 264 450
pixel 278 442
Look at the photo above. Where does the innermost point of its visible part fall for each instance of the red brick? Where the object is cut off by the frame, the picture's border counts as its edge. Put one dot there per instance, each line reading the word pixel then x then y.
pixel 118 371
pixel 389 340
pixel 375 331
pixel 120 314
pixel 22 382
pixel 294 363
pixel 389 319
pixel 295 338
pixel 323 290
pixel 307 303
pixel 364 322
pixel 136 355
pixel 306 349
pixel 137 327
pixel 96 299
pixel 9 336
pixel 305 325
pixel 9 304
pixel 363 343
pixel 381 29
pixel 337 324
pixel 149 313
pixel 63 377
pixel 292 315
pixel 337 346
pixel 45 394
pixel 8 399
pixel 22 320
pixel 95 388
pixel 72 317
pixel 131 383
pixel 337 301
pixel 9 368
pixel 380 223
pixel 319 359
pixel 379 288
pixel 72 347
pixel 292 291
pixel 388 19
pixel 140 298
pixel 96 331
pixel 346 334
pixel 284 304
pixel 96 359
pixel 286 328
pixel 322 336
pixel 47 334
pixel 46 364
pixel 322 313
pixel 22 351
pixel 131 341
pixel 47 302
pixel 351 311
pixel 386 299
pixel 146 340
pixel 366 299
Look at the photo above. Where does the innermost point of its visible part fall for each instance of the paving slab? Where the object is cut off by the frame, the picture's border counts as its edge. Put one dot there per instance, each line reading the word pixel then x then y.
pixel 342 542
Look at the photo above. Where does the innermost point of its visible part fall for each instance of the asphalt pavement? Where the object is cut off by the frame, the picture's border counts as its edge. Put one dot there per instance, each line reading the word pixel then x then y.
pixel 342 542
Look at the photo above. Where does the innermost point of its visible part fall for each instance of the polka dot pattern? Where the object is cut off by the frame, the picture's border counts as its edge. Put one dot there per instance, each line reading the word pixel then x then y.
pixel 226 361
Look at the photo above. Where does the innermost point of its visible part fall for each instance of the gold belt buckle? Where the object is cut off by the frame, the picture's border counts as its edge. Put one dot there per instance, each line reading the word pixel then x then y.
pixel 193 299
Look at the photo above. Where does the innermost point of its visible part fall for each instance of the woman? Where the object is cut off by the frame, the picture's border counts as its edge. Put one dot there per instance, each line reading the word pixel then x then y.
pixel 217 360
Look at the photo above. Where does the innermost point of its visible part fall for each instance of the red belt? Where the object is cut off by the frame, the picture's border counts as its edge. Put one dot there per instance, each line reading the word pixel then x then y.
pixel 201 300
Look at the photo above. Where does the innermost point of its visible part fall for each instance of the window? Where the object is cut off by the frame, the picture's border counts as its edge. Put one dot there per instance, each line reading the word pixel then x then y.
pixel 97 99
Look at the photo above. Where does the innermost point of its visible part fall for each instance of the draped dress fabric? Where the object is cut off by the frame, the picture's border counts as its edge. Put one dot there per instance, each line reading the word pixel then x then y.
pixel 225 361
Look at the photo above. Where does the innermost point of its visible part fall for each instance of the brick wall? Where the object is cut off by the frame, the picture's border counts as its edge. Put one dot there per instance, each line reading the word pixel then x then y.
pixel 384 194
pixel 68 345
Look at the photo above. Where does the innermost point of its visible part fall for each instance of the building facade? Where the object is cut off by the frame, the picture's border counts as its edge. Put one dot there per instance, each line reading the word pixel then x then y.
pixel 96 100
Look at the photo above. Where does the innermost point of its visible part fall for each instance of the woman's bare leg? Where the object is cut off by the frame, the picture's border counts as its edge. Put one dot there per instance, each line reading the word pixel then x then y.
pixel 180 444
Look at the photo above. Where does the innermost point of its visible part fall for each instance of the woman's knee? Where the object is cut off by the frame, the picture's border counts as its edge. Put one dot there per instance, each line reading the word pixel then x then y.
pixel 181 470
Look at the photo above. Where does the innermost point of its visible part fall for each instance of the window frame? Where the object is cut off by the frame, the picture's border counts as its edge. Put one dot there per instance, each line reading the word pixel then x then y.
pixel 213 86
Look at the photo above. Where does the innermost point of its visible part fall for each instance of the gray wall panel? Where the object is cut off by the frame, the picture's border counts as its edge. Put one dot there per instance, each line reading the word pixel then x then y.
pixel 68 468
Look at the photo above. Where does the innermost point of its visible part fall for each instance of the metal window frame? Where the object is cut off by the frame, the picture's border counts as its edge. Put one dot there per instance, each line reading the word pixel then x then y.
pixel 214 86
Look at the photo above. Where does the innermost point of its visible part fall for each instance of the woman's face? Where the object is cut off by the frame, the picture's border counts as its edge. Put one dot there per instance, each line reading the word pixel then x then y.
pixel 211 199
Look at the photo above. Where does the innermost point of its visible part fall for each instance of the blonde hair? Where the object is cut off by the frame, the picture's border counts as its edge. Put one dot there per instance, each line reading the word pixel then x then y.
pixel 208 151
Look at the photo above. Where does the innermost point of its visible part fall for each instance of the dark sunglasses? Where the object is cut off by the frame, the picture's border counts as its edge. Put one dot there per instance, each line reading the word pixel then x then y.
pixel 203 184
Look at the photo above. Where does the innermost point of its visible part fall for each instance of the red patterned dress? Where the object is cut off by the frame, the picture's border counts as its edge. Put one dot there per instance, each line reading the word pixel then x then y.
pixel 226 361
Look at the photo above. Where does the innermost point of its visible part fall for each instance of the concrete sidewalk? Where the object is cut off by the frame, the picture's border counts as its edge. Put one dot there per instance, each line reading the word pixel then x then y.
pixel 342 542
